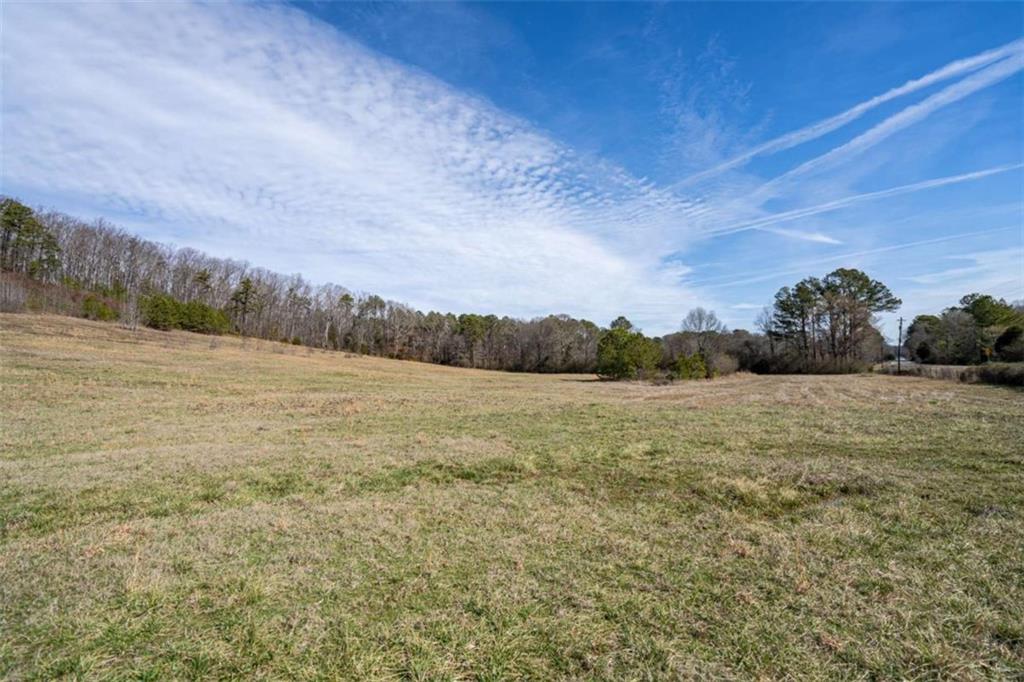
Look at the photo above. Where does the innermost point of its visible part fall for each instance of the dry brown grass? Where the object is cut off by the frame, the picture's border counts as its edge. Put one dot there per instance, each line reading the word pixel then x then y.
pixel 174 506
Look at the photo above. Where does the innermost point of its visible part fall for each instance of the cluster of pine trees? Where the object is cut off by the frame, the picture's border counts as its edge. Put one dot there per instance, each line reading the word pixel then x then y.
pixel 55 262
pixel 828 323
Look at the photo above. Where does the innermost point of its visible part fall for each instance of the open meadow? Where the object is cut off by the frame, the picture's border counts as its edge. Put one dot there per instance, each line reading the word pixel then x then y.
pixel 182 506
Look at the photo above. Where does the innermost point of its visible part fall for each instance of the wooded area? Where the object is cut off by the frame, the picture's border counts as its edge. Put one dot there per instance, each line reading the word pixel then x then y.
pixel 54 262
pixel 982 328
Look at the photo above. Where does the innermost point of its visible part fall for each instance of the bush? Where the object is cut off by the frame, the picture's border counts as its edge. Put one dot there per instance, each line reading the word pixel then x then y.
pixel 722 365
pixel 1003 373
pixel 622 354
pixel 1010 345
pixel 690 367
pixel 94 308
pixel 160 311
pixel 199 317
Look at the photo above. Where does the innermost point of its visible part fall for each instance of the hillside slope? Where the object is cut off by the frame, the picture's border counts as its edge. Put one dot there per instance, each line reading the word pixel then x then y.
pixel 174 505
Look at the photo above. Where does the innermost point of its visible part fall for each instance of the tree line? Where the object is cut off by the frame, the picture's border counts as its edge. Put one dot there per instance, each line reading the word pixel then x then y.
pixel 980 329
pixel 58 263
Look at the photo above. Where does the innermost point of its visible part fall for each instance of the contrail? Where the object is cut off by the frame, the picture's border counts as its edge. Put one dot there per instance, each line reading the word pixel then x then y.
pixel 714 284
pixel 859 198
pixel 910 115
pixel 826 126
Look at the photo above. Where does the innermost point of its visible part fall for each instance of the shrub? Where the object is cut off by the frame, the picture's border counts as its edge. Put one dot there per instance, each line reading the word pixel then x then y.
pixel 691 367
pixel 622 354
pixel 722 365
pixel 94 308
pixel 199 317
pixel 161 311
pixel 1010 345
pixel 1004 373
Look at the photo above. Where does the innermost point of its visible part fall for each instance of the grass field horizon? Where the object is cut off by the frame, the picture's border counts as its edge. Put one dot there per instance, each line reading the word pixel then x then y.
pixel 183 506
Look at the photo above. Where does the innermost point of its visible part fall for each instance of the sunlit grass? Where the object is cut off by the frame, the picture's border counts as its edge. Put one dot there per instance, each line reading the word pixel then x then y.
pixel 174 506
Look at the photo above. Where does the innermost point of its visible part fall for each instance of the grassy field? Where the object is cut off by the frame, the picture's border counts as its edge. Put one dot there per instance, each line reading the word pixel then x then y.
pixel 179 506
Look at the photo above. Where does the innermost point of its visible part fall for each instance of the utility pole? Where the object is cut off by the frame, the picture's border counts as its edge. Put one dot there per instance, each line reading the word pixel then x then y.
pixel 899 348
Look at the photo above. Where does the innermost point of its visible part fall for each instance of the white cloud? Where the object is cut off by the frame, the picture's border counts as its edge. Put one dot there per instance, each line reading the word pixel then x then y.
pixel 255 131
pixel 246 127
pixel 985 269
pixel 817 237
pixel 999 272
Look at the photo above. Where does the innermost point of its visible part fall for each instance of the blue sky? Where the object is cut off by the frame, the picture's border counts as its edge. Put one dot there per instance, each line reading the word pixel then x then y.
pixel 523 159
